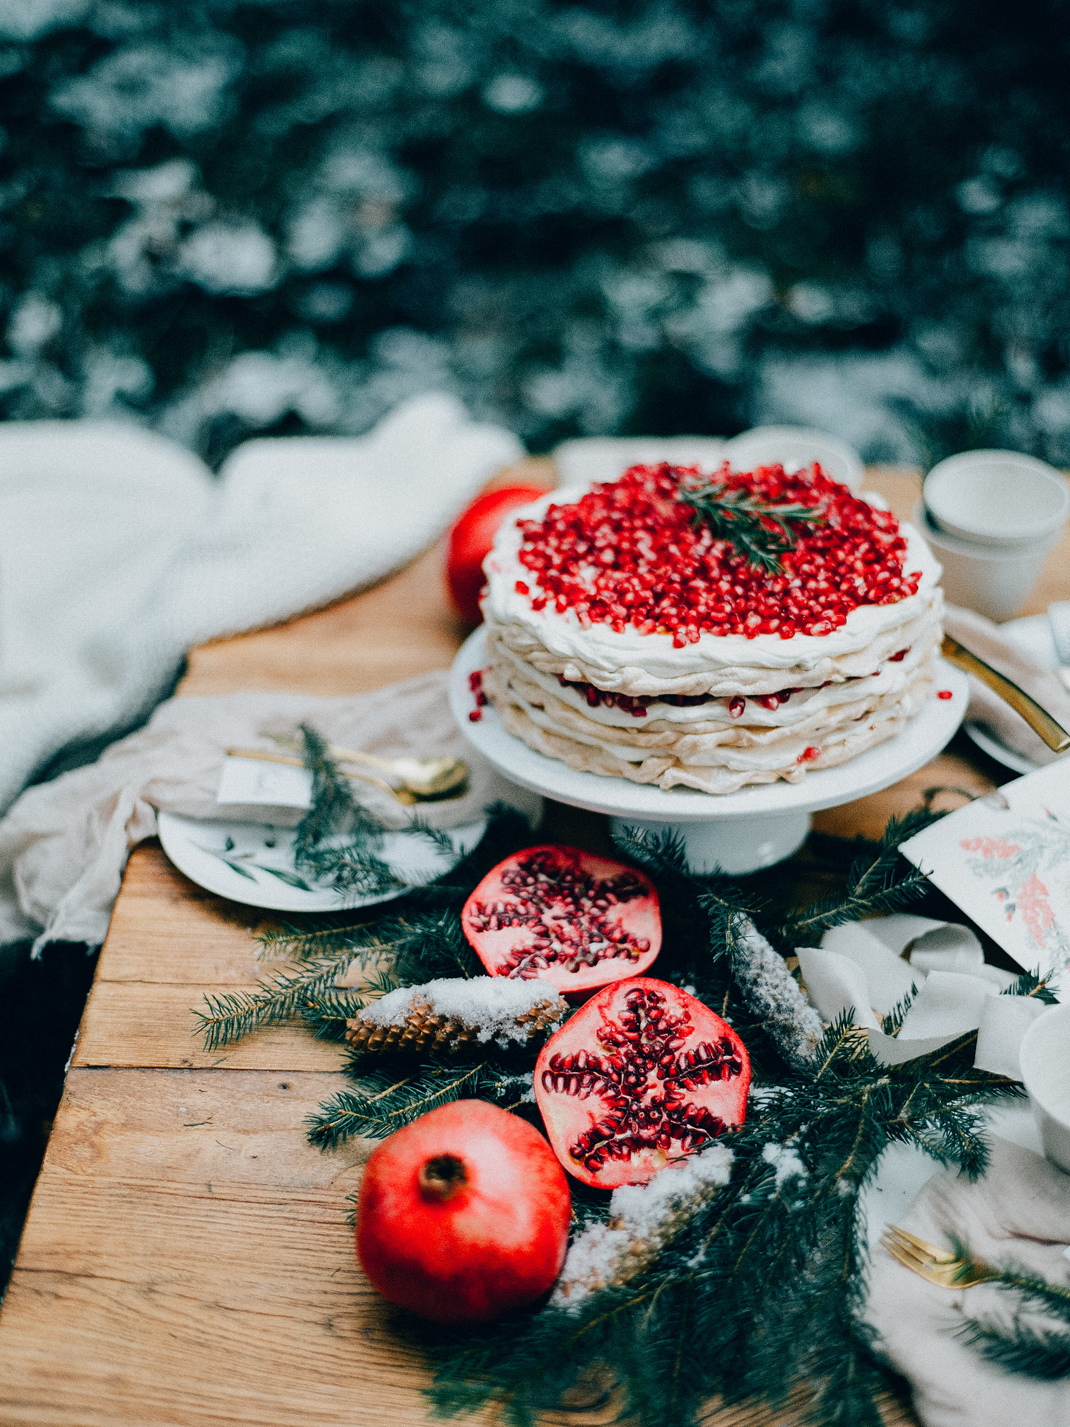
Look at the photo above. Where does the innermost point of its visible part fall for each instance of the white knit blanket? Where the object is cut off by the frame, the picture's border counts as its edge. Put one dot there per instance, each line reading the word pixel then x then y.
pixel 119 550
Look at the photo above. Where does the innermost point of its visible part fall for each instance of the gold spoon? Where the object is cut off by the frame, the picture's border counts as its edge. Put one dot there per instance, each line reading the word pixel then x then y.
pixel 426 777
pixel 1038 719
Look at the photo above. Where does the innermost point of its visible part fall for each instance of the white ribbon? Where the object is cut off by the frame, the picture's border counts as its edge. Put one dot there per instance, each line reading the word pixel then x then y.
pixel 861 967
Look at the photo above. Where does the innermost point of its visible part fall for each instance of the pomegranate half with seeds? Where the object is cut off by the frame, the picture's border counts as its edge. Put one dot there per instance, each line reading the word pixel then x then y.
pixel 463 1215
pixel 568 917
pixel 640 1076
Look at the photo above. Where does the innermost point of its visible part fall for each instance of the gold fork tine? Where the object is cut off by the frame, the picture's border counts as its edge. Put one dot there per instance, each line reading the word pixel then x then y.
pixel 939 1274
pixel 905 1254
pixel 937 1255
pixel 946 1270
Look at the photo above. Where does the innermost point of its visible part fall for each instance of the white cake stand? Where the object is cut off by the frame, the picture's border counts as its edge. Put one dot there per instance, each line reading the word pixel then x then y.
pixel 738 832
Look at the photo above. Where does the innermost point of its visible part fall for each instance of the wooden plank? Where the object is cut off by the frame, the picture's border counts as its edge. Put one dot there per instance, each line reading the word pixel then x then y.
pixel 133 1023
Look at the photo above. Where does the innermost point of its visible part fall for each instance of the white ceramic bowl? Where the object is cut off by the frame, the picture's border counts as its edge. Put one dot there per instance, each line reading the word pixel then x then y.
pixel 994 581
pixel 792 447
pixel 998 498
pixel 1045 1062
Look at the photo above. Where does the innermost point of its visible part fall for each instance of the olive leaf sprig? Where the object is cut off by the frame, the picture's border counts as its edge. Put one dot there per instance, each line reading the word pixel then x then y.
pixel 761 531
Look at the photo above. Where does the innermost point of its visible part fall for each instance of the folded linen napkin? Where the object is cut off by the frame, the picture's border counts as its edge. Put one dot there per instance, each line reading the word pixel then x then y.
pixel 983 638
pixel 1018 1213
pixel 64 844
pixel 119 550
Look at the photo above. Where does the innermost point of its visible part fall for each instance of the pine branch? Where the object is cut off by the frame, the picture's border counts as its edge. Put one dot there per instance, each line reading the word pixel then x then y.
pixel 1020 1347
pixel 298 943
pixel 278 997
pixel 1031 983
pixel 878 883
pixel 759 530
pixel 383 1102
pixel 891 1023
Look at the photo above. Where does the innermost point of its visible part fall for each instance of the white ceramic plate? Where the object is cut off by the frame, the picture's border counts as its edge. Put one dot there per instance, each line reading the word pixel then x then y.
pixel 1032 635
pixel 878 768
pixel 253 862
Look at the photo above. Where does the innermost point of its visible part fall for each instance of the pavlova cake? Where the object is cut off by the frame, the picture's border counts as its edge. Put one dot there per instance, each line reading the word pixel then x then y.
pixel 709 631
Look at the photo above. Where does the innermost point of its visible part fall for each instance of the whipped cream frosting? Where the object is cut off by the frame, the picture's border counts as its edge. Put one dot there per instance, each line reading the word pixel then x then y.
pixel 648 663
pixel 889 678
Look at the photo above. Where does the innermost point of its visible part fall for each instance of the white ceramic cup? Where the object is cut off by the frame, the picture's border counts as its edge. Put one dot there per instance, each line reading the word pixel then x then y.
pixel 1044 1057
pixel 992 580
pixel 996 498
pixel 792 447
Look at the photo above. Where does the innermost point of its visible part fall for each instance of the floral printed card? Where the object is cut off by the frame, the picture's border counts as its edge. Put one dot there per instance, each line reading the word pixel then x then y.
pixel 1005 860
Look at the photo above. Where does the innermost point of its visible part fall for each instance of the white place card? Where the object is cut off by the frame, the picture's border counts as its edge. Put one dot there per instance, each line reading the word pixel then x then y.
pixel 253 782
pixel 1005 860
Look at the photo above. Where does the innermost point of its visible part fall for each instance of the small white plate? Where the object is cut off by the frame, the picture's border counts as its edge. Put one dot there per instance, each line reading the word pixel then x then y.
pixel 253 862
pixel 1032 635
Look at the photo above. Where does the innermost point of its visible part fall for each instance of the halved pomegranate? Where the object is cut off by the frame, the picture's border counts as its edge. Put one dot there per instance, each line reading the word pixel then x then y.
pixel 641 1075
pixel 568 917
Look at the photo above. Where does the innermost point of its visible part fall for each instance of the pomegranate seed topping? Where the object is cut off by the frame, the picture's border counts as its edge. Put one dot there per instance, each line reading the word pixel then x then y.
pixel 629 552
pixel 521 588
pixel 808 755
pixel 736 707
pixel 944 694
pixel 475 715
pixel 897 658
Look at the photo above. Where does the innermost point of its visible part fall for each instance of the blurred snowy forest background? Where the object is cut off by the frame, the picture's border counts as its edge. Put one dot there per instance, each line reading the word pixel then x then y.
pixel 229 217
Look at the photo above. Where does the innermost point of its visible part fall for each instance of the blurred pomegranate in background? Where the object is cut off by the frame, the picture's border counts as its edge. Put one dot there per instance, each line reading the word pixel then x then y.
pixel 470 542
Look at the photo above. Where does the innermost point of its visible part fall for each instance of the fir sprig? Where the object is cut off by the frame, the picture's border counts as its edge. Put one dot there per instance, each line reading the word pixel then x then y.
pixel 386 1100
pixel 1026 1346
pixel 879 882
pixel 759 529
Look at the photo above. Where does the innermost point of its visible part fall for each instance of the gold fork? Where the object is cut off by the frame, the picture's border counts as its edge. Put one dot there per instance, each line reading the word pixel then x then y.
pixel 940 1266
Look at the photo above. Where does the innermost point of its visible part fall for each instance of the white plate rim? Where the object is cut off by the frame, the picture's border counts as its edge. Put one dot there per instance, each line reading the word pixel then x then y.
pixel 204 867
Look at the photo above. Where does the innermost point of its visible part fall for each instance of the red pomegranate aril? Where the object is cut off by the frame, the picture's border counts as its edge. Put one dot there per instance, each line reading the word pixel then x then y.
pixel 944 694
pixel 808 755
pixel 567 917
pixel 640 529
pixel 643 1074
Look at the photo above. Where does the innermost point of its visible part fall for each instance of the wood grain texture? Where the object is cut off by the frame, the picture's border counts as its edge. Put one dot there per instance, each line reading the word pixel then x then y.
pixel 186 1261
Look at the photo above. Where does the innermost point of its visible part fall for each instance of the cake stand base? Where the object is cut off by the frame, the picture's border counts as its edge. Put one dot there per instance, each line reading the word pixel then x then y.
pixel 737 832
pixel 746 845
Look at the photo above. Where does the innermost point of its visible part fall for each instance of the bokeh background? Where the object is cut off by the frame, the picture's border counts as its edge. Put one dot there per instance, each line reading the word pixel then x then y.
pixel 227 217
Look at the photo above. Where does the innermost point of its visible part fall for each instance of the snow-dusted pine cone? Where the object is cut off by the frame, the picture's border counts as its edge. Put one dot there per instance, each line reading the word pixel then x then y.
pixel 444 1015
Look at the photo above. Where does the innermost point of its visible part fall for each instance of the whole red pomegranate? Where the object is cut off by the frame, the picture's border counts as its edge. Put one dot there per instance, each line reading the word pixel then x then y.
pixel 463 1215
pixel 568 917
pixel 470 542
pixel 642 1074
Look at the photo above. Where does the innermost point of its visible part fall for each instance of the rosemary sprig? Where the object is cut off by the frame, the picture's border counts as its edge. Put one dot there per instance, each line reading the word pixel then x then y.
pixel 760 531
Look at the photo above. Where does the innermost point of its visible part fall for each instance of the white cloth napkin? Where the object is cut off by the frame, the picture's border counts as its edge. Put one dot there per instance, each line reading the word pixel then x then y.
pixel 1018 1213
pixel 861 967
pixel 119 550
pixel 983 638
pixel 64 844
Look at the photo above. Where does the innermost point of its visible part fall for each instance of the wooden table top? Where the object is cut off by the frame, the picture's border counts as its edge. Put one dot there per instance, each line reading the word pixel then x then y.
pixel 186 1259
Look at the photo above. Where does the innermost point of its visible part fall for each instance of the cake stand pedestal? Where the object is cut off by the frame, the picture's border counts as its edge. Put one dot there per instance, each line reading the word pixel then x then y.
pixel 737 832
